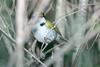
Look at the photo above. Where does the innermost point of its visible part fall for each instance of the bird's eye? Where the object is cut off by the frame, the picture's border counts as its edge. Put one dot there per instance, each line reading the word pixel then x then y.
pixel 42 24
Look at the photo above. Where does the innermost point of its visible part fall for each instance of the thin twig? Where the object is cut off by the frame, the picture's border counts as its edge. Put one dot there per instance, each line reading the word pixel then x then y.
pixel 87 37
pixel 71 13
pixel 9 37
pixel 65 48
pixel 94 41
pixel 12 40
pixel 35 57
pixel 53 48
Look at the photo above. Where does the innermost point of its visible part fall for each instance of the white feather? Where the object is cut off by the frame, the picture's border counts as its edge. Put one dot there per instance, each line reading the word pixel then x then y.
pixel 44 34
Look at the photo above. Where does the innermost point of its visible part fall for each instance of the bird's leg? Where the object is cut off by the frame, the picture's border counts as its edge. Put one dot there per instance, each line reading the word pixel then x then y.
pixel 44 47
pixel 42 54
pixel 46 40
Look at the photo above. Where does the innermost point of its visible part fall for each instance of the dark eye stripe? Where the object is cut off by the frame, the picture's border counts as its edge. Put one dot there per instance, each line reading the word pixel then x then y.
pixel 42 24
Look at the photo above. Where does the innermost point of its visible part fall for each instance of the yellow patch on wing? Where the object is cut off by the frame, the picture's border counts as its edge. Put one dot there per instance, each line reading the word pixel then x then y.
pixel 52 26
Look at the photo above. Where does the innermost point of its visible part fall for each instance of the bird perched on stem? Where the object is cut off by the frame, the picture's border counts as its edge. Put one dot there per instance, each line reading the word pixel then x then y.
pixel 45 31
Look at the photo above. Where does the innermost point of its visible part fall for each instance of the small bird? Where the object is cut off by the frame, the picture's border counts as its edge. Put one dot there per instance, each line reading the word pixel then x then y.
pixel 45 31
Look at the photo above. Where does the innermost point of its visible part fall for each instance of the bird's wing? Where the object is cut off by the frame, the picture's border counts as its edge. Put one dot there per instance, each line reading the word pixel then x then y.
pixel 52 26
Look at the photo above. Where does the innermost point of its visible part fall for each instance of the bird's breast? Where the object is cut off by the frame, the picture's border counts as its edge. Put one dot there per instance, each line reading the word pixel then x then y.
pixel 45 35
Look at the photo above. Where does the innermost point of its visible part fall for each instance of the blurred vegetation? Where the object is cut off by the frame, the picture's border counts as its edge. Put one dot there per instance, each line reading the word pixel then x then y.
pixel 75 26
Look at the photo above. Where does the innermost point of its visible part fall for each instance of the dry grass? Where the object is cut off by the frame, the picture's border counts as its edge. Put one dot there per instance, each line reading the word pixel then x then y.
pixel 77 20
